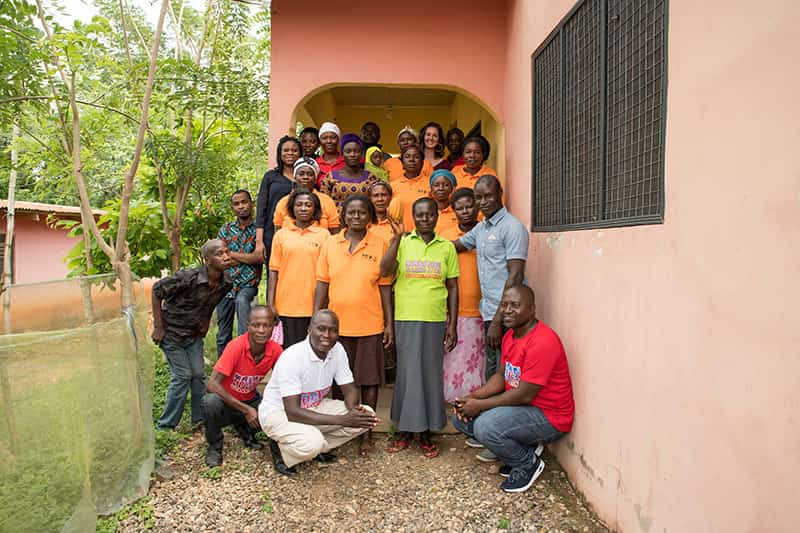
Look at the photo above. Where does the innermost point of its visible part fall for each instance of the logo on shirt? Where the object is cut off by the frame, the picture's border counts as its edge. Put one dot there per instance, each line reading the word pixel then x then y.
pixel 423 269
pixel 313 399
pixel 369 257
pixel 245 384
pixel 512 375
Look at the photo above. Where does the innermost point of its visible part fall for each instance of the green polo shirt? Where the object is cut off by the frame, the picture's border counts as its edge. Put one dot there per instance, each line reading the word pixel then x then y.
pixel 420 292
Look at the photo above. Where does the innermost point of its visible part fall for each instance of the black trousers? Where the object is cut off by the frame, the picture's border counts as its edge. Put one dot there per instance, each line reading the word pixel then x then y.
pixel 295 329
pixel 219 415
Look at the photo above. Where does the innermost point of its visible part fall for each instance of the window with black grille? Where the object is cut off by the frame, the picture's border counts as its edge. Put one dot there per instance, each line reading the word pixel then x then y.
pixel 599 103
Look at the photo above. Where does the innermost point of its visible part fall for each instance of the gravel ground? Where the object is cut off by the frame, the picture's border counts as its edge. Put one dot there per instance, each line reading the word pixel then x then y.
pixel 398 492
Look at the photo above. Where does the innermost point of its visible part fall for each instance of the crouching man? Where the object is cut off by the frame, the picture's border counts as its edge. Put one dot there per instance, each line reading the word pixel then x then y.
pixel 297 415
pixel 528 401
pixel 232 397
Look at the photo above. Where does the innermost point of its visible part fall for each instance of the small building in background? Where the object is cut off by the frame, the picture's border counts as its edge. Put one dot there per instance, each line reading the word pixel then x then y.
pixel 39 246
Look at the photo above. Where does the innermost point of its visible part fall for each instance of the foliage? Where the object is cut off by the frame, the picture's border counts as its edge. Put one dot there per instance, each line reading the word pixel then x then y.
pixel 213 472
pixel 207 125
pixel 142 510
pixel 267 506
pixel 503 523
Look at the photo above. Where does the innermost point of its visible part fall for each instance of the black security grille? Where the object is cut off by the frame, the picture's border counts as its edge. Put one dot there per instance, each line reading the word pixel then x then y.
pixel 599 93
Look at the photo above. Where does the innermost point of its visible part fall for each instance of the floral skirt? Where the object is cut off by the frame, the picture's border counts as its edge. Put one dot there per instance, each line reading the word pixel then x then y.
pixel 464 366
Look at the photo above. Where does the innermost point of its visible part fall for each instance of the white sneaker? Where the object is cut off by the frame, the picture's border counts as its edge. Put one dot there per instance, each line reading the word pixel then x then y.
pixel 539 450
pixel 486 456
pixel 472 443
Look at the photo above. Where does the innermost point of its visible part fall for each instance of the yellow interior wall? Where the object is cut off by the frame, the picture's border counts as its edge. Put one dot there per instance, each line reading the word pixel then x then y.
pixel 463 113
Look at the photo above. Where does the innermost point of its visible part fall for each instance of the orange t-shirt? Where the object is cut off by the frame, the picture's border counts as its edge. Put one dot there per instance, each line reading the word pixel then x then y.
pixel 463 179
pixel 353 280
pixel 407 192
pixel 294 257
pixel 382 229
pixel 447 220
pixel 395 169
pixel 330 215
pixel 469 287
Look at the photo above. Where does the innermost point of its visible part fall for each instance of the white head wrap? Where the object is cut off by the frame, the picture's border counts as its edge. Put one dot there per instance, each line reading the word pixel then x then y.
pixel 408 129
pixel 306 162
pixel 330 127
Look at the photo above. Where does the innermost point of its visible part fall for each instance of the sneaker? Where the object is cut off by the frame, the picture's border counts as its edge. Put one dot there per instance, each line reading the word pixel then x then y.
pixel 251 443
pixel 486 456
pixel 521 479
pixel 277 460
pixel 213 457
pixel 472 443
pixel 326 458
pixel 505 470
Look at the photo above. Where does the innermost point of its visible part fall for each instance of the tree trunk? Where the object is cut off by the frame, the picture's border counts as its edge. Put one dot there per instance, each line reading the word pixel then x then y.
pixel 7 263
pixel 175 247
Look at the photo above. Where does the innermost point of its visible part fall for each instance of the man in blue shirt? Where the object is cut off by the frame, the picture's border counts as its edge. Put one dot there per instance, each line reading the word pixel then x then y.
pixel 501 241
pixel 240 237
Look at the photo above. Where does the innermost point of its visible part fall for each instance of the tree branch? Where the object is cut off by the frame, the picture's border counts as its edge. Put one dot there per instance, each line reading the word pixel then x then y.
pixel 82 102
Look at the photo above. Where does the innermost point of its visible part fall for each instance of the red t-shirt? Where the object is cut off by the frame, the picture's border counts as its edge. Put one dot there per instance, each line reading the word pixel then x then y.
pixel 241 372
pixel 325 168
pixel 539 358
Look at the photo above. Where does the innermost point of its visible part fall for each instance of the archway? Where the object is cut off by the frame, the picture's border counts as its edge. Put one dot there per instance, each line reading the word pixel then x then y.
pixel 394 106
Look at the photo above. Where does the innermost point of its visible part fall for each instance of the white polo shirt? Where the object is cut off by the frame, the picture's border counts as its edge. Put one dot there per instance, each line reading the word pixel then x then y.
pixel 300 371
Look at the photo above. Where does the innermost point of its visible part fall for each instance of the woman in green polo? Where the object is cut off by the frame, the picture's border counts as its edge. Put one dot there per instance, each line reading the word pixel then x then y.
pixel 426 310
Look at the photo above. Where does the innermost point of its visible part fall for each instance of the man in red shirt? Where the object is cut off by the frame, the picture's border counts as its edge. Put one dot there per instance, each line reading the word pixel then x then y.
pixel 232 398
pixel 528 401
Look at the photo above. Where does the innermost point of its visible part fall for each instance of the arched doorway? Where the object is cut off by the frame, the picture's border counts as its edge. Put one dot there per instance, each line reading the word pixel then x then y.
pixel 394 106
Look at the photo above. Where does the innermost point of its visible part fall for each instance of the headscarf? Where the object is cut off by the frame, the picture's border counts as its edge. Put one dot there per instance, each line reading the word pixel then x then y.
pixel 306 162
pixel 438 173
pixel 377 171
pixel 408 129
pixel 330 127
pixel 351 138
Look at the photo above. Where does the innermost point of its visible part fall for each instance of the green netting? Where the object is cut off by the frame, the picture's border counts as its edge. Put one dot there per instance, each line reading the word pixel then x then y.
pixel 76 432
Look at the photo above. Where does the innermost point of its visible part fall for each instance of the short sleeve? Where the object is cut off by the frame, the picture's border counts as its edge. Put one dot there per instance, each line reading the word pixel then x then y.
pixel 451 264
pixel 228 360
pixel 469 239
pixel 276 254
pixel 280 212
pixel 343 373
pixel 541 353
pixel 290 382
pixel 323 272
pixel 168 287
pixel 516 241
pixel 274 351
pixel 384 280
pixel 222 234
pixel 329 208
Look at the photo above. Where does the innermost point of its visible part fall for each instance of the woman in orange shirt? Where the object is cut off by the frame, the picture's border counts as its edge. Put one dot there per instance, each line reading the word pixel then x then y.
pixel 431 138
pixel 350 284
pixel 394 165
pixel 475 152
pixel 442 184
pixel 413 185
pixel 380 194
pixel 292 265
pixel 305 177
pixel 464 365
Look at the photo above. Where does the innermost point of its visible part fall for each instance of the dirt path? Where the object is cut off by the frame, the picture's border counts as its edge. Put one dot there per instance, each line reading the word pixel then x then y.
pixel 401 492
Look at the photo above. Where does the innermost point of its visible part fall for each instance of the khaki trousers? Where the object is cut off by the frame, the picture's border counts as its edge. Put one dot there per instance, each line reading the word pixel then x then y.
pixel 302 442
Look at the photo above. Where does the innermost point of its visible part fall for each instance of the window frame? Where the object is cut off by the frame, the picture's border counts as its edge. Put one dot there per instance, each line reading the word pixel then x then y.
pixel 557 33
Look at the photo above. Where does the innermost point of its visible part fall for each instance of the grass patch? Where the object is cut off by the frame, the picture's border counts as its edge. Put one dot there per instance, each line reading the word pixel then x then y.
pixel 142 510
pixel 503 523
pixel 214 472
pixel 267 505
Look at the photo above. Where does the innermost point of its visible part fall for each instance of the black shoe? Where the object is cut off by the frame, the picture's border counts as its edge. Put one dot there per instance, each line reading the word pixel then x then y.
pixel 277 460
pixel 326 458
pixel 213 457
pixel 252 443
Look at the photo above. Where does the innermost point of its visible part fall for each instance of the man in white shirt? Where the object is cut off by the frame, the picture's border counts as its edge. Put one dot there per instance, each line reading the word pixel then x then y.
pixel 295 412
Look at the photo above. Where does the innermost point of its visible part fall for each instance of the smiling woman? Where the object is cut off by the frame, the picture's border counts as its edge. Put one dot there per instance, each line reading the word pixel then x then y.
pixel 351 179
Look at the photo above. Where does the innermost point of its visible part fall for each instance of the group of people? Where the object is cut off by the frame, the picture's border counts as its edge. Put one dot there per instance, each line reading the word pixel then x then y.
pixel 369 257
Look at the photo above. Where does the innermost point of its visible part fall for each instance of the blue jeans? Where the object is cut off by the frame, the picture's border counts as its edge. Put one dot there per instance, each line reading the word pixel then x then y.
pixel 225 310
pixel 188 371
pixel 510 432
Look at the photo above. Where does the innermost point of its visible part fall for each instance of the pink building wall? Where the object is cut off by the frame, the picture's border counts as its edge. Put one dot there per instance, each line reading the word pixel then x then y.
pixel 683 338
pixel 317 43
pixel 39 250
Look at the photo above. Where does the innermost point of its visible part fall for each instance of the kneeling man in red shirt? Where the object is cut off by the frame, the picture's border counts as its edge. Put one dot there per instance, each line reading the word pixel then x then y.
pixel 232 398
pixel 528 401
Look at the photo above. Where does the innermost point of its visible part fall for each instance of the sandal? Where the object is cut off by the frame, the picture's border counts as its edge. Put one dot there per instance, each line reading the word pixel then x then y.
pixel 397 446
pixel 429 450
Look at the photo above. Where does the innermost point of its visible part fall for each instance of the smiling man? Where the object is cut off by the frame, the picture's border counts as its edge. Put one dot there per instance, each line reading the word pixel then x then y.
pixel 296 413
pixel 528 402
pixel 232 398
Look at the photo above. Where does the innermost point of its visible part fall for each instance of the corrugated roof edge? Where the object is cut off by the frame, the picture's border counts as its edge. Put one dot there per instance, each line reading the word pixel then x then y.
pixel 36 207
